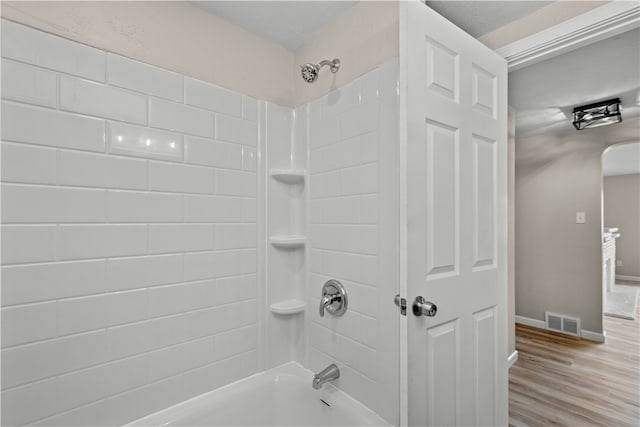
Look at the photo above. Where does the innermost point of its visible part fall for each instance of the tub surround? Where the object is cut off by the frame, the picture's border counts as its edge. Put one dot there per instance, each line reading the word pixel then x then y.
pixel 286 251
pixel 353 227
pixel 331 183
pixel 129 214
pixel 134 217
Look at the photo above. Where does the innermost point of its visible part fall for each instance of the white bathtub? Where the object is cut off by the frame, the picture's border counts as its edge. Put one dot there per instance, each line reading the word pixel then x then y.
pixel 282 396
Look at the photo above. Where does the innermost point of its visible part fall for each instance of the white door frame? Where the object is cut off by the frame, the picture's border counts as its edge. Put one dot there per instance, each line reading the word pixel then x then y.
pixel 597 24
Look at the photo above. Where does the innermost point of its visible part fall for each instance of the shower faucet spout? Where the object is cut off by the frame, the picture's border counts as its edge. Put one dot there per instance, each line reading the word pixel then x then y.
pixel 329 373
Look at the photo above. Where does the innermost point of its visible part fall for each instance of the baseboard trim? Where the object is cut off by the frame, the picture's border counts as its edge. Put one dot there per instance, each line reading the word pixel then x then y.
pixel 594 336
pixel 513 358
pixel 540 324
pixel 630 278
pixel 531 322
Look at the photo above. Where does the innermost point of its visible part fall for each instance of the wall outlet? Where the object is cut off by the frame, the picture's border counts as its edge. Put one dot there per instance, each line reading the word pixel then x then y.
pixel 580 218
pixel 618 263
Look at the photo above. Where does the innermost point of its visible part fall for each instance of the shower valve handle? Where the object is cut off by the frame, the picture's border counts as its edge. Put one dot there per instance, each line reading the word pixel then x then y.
pixel 334 298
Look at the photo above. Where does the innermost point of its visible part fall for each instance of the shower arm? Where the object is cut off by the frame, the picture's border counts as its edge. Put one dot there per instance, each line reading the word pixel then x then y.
pixel 334 65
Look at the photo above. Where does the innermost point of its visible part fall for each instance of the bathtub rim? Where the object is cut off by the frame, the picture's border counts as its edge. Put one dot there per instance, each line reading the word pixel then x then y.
pixel 329 393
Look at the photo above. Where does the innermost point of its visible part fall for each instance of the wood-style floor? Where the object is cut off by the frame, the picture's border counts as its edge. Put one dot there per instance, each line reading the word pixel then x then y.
pixel 562 381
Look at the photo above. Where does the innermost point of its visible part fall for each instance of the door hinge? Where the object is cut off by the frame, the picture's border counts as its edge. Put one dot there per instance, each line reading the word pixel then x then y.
pixel 402 303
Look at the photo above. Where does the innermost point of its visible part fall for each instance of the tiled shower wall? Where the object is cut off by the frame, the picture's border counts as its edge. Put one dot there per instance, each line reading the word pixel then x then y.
pixel 354 235
pixel 128 237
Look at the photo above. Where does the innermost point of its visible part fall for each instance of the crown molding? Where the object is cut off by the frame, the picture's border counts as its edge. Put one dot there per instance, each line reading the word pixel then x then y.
pixel 597 24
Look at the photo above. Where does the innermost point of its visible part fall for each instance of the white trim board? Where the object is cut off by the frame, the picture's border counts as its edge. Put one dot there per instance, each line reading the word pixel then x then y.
pixel 540 324
pixel 402 199
pixel 630 278
pixel 600 23
pixel 513 358
pixel 594 336
pixel 531 322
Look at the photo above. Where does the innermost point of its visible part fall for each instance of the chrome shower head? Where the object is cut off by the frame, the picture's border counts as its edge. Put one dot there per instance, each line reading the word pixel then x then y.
pixel 310 71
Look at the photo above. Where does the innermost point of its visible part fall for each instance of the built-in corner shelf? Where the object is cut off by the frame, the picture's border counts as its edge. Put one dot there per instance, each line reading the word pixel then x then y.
pixel 291 306
pixel 288 176
pixel 288 241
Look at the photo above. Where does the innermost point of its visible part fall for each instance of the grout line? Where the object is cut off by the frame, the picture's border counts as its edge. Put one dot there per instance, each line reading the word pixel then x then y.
pixel 343 363
pixel 106 328
pixel 124 190
pixel 182 281
pixel 146 353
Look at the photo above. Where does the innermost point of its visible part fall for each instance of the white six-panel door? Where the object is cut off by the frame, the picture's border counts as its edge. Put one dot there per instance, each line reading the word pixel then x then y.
pixel 456 205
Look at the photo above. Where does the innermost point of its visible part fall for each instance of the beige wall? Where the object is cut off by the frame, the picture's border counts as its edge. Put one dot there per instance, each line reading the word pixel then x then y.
pixel 181 37
pixel 170 34
pixel 363 37
pixel 537 21
pixel 621 196
pixel 558 262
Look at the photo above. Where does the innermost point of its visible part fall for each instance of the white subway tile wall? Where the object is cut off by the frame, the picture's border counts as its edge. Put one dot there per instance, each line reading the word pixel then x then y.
pixel 129 234
pixel 346 135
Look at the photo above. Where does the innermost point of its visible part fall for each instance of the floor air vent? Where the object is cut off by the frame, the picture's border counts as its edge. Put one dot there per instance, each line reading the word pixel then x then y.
pixel 563 324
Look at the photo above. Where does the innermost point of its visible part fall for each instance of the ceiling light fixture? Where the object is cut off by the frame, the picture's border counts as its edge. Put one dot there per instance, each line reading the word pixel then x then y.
pixel 597 114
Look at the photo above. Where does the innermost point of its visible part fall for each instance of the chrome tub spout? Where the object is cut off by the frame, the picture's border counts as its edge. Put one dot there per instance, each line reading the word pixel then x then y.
pixel 329 373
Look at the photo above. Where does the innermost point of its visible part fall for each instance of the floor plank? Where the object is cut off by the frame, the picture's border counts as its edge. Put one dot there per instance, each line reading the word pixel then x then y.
pixel 564 381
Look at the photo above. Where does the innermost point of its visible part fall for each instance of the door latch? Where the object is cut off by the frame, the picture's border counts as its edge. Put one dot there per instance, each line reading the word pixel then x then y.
pixel 402 303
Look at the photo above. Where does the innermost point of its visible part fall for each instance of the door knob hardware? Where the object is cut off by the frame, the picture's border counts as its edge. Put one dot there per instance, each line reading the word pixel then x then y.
pixel 401 303
pixel 422 307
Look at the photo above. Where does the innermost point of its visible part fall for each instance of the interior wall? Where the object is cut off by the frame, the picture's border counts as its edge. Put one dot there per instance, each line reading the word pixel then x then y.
pixel 354 236
pixel 539 20
pixel 558 262
pixel 174 35
pixel 128 234
pixel 621 203
pixel 363 37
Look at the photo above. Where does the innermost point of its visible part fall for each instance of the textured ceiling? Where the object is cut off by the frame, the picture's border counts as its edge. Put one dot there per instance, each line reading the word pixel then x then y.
pixel 293 23
pixel 542 94
pixel 545 93
pixel 481 17
pixel 288 23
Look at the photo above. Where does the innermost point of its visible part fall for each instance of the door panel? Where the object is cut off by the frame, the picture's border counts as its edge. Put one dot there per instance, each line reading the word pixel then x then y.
pixel 484 91
pixel 442 71
pixel 456 132
pixel 442 202
pixel 484 202
pixel 485 329
pixel 443 386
